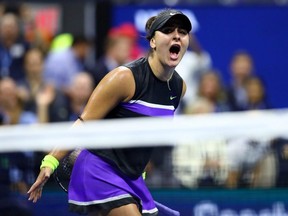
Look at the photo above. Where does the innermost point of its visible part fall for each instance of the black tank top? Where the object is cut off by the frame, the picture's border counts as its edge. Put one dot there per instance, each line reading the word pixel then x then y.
pixel 152 97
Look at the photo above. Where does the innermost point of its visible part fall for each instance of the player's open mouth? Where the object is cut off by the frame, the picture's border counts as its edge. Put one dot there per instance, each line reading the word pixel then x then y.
pixel 174 51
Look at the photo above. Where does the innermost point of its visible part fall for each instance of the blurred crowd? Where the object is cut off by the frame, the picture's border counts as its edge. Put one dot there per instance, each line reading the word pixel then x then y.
pixel 48 78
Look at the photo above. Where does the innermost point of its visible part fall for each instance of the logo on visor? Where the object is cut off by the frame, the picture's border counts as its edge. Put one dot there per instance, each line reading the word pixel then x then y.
pixel 172 14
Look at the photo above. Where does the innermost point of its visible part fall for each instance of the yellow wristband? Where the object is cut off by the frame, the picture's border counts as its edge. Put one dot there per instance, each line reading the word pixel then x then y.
pixel 50 161
pixel 144 175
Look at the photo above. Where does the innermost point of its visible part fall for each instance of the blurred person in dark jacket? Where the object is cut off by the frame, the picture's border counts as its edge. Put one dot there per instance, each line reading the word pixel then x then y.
pixel 12 47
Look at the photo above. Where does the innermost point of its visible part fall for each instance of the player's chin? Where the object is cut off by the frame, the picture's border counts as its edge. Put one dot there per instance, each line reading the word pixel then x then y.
pixel 173 62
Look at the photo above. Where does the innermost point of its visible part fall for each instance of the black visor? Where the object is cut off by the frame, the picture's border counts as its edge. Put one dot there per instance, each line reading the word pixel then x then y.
pixel 164 17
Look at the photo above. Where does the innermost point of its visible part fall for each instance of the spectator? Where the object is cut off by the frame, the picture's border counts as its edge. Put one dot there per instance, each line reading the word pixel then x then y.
pixel 211 170
pixel 15 176
pixel 12 48
pixel 195 62
pixel 200 106
pixel 244 157
pixel 62 66
pixel 256 94
pixel 211 94
pixel 81 89
pixel 11 202
pixel 129 31
pixel 32 82
pixel 36 36
pixel 280 148
pixel 11 104
pixel 241 67
pixel 39 96
pixel 120 48
pixel 200 163
pixel 79 92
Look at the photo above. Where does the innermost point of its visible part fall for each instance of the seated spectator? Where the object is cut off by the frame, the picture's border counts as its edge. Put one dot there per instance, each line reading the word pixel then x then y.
pixel 241 67
pixel 38 95
pixel 16 176
pixel 120 47
pixel 211 92
pixel 12 48
pixel 61 66
pixel 36 33
pixel 13 191
pixel 244 157
pixel 80 91
pixel 78 95
pixel 11 104
pixel 129 31
pixel 280 148
pixel 256 94
pixel 210 172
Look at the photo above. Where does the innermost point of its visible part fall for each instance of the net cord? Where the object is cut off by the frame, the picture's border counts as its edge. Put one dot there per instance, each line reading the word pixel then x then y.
pixel 143 132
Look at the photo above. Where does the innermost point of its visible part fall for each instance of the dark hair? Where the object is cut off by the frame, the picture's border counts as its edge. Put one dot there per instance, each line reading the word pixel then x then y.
pixel 79 39
pixel 148 27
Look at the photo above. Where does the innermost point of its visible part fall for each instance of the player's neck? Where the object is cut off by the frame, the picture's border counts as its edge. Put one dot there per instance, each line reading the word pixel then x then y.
pixel 161 71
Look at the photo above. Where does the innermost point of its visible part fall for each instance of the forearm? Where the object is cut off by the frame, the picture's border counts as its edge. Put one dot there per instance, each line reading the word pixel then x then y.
pixel 60 153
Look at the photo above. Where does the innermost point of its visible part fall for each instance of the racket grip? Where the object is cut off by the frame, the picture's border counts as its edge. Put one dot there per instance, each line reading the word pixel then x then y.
pixel 166 210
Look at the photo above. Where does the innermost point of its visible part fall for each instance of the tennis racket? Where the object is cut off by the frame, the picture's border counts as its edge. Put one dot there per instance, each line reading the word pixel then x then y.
pixel 63 172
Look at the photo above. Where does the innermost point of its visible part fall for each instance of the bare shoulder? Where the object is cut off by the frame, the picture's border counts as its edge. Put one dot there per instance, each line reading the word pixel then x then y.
pixel 118 82
pixel 121 75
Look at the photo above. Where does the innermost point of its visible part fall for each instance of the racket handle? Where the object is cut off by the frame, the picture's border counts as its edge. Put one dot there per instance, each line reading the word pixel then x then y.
pixel 166 210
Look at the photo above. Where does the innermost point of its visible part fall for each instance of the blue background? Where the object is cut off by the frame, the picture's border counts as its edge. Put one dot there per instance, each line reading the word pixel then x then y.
pixel 262 31
pixel 54 201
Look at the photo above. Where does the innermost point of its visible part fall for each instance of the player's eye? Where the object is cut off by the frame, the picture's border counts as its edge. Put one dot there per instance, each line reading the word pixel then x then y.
pixel 167 30
pixel 182 31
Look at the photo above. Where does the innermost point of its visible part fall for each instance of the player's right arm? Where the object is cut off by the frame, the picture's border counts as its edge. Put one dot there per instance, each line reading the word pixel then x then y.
pixel 117 86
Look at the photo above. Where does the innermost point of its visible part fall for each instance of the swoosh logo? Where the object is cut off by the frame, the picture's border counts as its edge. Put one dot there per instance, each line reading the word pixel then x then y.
pixel 171 14
pixel 173 97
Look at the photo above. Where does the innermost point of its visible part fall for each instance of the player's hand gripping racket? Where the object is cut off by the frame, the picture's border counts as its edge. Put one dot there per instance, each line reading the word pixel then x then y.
pixel 63 172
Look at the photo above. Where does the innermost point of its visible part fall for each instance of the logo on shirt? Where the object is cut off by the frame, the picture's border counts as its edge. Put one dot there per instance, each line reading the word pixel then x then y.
pixel 173 97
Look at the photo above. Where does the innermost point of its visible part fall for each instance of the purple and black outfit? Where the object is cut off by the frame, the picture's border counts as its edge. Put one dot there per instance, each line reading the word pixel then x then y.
pixel 108 178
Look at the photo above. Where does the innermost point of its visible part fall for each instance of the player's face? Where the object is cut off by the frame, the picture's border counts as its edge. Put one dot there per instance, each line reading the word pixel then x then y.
pixel 170 43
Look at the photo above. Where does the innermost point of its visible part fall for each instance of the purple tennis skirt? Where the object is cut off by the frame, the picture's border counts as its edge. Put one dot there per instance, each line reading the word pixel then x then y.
pixel 95 185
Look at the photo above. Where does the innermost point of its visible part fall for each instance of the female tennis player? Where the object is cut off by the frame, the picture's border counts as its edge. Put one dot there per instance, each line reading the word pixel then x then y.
pixel 109 181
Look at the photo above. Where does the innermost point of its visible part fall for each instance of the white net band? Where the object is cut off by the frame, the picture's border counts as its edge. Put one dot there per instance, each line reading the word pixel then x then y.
pixel 144 131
